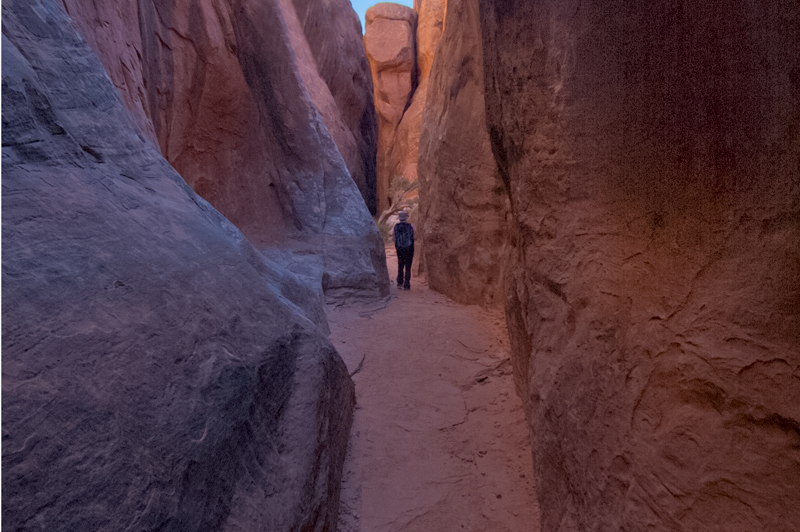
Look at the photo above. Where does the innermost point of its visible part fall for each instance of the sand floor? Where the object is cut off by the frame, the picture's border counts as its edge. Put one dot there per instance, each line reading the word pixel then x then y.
pixel 439 441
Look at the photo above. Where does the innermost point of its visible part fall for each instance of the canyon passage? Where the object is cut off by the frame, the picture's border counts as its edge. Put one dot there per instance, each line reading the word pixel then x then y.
pixel 199 327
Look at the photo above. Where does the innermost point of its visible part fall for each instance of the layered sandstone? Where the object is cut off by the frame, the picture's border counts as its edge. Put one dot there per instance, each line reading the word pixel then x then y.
pixel 333 32
pixel 389 41
pixel 463 202
pixel 156 375
pixel 651 154
pixel 232 93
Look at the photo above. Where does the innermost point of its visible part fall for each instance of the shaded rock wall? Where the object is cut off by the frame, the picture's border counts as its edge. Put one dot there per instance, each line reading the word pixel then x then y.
pixel 651 152
pixel 389 41
pixel 463 202
pixel 238 107
pixel 333 32
pixel 155 377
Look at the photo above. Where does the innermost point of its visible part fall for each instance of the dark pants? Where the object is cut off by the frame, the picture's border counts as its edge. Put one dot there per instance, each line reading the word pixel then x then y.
pixel 404 258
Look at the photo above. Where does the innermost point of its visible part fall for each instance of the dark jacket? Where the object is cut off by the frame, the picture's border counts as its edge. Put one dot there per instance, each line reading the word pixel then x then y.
pixel 403 235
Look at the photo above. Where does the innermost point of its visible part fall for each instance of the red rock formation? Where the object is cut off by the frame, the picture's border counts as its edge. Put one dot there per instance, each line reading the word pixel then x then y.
pixel 155 374
pixel 430 25
pixel 463 202
pixel 651 152
pixel 389 42
pixel 402 155
pixel 243 124
pixel 398 153
pixel 333 32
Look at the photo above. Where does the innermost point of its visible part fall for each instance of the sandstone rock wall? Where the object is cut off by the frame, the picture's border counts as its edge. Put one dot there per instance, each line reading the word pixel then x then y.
pixel 430 25
pixel 389 41
pixel 401 48
pixel 463 202
pixel 155 376
pixel 333 32
pixel 651 152
pixel 238 107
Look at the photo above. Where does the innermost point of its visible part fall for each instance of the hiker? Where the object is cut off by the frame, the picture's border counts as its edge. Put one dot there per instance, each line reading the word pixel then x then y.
pixel 404 244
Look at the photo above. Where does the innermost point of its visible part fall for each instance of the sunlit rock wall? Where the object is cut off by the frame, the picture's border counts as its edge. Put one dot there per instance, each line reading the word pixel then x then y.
pixel 651 151
pixel 430 25
pixel 401 44
pixel 389 41
pixel 155 374
pixel 463 202
pixel 231 92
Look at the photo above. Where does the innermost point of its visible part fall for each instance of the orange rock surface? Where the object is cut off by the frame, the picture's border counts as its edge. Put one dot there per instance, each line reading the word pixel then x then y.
pixel 463 202
pixel 389 40
pixel 651 152
pixel 430 25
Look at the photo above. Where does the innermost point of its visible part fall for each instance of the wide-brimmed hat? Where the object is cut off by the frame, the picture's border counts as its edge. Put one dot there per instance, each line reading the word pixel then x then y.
pixel 403 216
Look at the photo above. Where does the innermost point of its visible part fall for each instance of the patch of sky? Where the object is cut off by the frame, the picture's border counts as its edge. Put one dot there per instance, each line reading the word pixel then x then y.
pixel 361 6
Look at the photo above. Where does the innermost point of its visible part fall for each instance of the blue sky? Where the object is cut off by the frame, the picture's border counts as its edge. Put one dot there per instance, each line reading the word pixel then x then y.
pixel 361 7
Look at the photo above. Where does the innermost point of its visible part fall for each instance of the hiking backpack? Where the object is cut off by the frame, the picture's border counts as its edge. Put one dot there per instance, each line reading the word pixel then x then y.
pixel 403 235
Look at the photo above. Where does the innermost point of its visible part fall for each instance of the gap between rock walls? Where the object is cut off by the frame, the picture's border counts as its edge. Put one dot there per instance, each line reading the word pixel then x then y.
pixel 201 329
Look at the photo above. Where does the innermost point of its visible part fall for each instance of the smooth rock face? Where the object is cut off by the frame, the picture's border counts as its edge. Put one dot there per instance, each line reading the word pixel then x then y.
pixel 651 152
pixel 154 376
pixel 333 32
pixel 463 202
pixel 389 41
pixel 430 25
pixel 402 156
pixel 238 107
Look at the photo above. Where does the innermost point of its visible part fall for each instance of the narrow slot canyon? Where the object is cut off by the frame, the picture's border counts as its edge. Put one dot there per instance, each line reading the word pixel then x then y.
pixel 202 325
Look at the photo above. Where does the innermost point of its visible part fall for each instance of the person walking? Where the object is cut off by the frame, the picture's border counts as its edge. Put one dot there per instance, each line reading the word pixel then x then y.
pixel 404 244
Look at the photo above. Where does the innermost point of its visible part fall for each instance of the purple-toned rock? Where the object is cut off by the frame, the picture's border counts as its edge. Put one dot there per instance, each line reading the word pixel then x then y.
pixel 238 107
pixel 155 374
pixel 333 32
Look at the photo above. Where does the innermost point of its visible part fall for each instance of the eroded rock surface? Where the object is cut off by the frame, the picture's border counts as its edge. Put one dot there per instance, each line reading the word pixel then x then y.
pixel 430 25
pixel 154 375
pixel 333 32
pixel 236 102
pixel 652 155
pixel 401 103
pixel 389 40
pixel 463 202
pixel 402 157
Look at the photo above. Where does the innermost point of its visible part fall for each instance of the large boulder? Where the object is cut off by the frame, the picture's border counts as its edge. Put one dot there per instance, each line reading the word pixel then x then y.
pixel 389 41
pixel 463 202
pixel 651 151
pixel 235 100
pixel 334 36
pixel 155 375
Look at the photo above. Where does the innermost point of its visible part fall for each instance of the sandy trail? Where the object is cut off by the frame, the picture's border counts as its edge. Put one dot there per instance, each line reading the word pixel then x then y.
pixel 439 441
